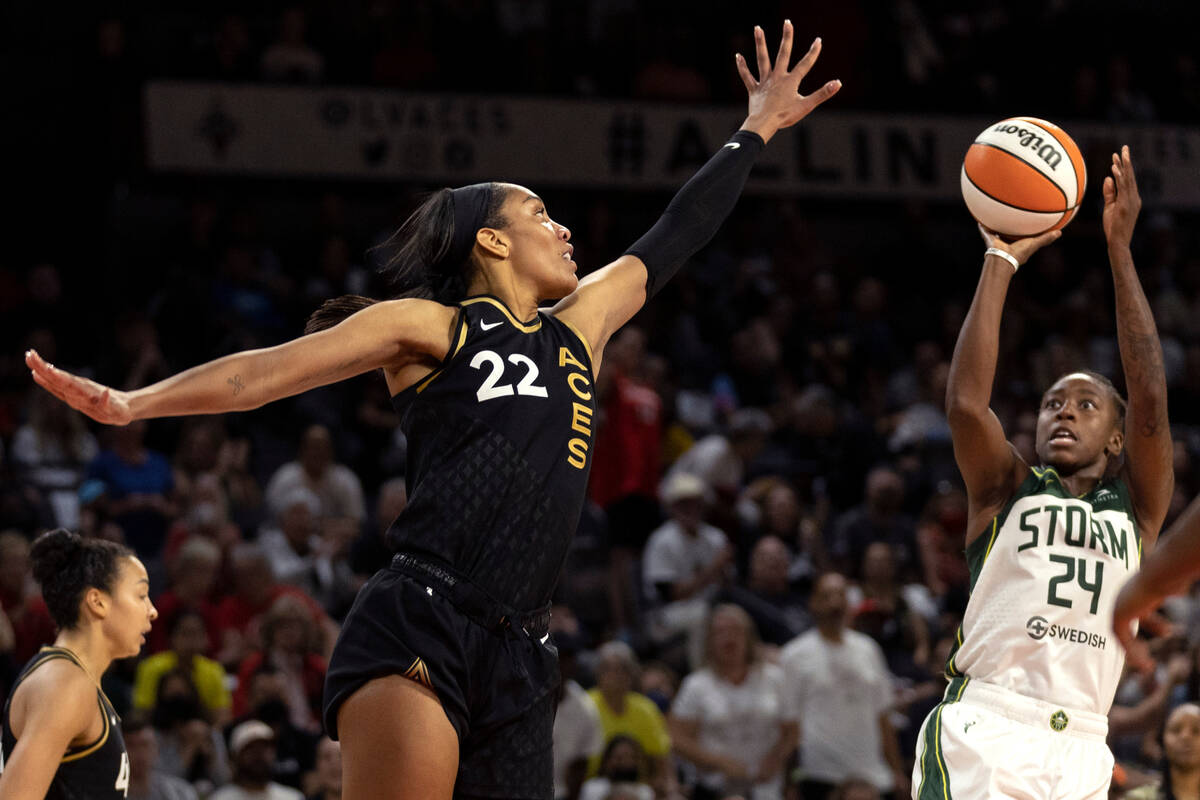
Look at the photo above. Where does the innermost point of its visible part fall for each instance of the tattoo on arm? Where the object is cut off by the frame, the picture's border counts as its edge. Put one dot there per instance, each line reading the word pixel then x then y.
pixel 237 384
pixel 1142 357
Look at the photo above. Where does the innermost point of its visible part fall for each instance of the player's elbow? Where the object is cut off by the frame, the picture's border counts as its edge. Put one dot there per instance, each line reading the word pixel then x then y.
pixel 963 408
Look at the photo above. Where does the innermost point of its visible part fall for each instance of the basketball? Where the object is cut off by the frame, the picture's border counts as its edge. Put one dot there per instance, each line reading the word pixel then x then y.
pixel 1023 176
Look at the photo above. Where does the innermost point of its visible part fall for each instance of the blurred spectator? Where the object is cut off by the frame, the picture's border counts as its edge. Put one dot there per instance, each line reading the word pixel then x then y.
pixel 254 593
pixel 370 552
pixel 307 552
pixel 720 460
pixel 625 470
pixel 230 58
pixel 290 59
pixel 146 781
pixel 266 701
pixel 839 681
pixel 779 612
pixel 205 453
pixel 290 643
pixel 188 637
pixel 892 614
pixel 292 538
pixel 623 765
pixel 1181 758
pixel 52 452
pixel 189 747
pixel 684 565
pixel 252 747
pixel 625 711
pixel 205 516
pixel 193 572
pixel 732 719
pixel 337 487
pixel 578 737
pixel 660 683
pixel 22 603
pixel 941 532
pixel 878 519
pixel 771 506
pixel 327 778
pixel 139 485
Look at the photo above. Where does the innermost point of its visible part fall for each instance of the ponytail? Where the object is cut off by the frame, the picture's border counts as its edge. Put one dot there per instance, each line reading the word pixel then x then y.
pixel 425 256
pixel 334 311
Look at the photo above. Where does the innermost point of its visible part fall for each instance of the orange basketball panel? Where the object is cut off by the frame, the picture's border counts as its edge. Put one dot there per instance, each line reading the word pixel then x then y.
pixel 1072 151
pixel 1065 218
pixel 1012 181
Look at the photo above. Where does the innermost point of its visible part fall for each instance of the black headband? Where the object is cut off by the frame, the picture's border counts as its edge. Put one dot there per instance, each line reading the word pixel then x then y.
pixel 470 212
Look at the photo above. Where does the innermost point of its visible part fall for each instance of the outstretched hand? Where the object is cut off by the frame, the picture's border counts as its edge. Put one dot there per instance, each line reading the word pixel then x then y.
pixel 775 99
pixel 1121 200
pixel 98 401
pixel 1020 249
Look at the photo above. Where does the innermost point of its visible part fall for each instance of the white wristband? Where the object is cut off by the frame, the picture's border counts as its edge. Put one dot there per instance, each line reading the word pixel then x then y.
pixel 1009 257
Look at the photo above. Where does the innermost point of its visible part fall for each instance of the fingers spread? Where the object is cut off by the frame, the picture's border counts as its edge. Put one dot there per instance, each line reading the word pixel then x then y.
pixel 810 58
pixel 760 49
pixel 785 48
pixel 744 73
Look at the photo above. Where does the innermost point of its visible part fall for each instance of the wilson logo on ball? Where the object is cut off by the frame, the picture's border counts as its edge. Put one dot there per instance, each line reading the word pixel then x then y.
pixel 1023 176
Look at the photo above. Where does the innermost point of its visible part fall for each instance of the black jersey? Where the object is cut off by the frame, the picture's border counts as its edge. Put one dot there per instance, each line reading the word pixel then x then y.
pixel 98 769
pixel 499 448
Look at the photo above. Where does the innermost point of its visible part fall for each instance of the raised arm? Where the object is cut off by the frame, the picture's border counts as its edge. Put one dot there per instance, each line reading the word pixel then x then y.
pixel 1149 455
pixel 990 466
pixel 387 335
pixel 609 297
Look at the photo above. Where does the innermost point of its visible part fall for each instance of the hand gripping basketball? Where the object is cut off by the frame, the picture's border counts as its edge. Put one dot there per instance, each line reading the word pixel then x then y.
pixel 1020 249
pixel 98 401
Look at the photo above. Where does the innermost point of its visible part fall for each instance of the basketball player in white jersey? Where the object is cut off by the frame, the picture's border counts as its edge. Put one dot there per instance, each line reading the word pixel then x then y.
pixel 1049 545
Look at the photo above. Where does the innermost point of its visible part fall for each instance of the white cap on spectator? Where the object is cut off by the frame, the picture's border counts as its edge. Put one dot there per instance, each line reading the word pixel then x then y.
pixel 683 486
pixel 301 495
pixel 252 730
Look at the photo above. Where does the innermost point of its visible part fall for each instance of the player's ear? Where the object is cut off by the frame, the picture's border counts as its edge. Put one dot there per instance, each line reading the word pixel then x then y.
pixel 494 242
pixel 1116 442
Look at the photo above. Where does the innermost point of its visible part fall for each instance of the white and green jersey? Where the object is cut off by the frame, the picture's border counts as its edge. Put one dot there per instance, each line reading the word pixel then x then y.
pixel 1044 579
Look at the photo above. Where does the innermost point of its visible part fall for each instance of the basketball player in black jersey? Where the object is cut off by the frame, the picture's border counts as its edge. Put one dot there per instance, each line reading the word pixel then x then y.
pixel 442 680
pixel 60 735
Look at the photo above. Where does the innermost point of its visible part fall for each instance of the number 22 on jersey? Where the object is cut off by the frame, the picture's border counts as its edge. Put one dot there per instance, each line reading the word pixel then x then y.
pixel 492 388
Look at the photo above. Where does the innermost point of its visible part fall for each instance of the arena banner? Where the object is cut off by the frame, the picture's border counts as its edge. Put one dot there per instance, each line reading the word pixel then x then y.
pixel 372 134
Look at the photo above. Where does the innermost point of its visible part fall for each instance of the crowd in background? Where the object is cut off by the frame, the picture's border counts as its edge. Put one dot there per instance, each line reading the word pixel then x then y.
pixel 771 554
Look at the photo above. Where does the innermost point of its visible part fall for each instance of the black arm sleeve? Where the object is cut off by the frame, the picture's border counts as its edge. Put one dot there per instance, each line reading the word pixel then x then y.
pixel 697 210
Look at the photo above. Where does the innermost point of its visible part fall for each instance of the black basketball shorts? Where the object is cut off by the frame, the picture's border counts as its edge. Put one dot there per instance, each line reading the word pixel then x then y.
pixel 495 680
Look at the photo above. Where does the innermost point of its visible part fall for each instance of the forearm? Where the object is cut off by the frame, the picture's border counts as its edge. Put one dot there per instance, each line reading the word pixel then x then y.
pixel 1124 720
pixel 237 382
pixel 1141 352
pixel 697 210
pixel 1175 561
pixel 973 367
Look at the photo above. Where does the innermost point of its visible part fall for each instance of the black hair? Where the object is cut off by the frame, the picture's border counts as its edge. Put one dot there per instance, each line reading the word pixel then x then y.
pixel 418 259
pixel 135 721
pixel 1118 401
pixel 617 741
pixel 66 565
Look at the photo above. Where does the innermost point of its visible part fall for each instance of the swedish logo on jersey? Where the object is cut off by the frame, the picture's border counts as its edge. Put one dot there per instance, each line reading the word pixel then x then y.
pixel 1059 720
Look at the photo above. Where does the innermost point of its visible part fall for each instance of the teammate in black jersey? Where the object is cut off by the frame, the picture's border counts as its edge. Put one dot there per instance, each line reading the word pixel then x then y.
pixel 60 735
pixel 442 681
